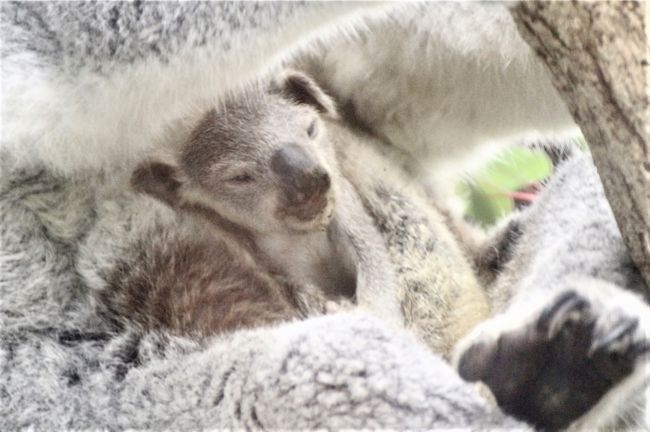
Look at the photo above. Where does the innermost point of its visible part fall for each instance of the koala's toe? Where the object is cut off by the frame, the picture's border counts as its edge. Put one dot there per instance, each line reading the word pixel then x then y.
pixel 615 338
pixel 564 313
pixel 476 360
pixel 616 348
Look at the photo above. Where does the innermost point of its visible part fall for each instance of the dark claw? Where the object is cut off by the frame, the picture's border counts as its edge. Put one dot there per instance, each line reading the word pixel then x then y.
pixel 475 360
pixel 641 348
pixel 565 303
pixel 619 331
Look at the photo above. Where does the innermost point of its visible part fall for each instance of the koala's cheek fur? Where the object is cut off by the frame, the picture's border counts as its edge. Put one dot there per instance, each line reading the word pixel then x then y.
pixel 255 212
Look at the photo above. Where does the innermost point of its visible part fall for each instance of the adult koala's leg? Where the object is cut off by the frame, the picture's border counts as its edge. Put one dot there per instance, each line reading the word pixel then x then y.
pixel 378 286
pixel 571 346
pixel 96 84
pixel 440 298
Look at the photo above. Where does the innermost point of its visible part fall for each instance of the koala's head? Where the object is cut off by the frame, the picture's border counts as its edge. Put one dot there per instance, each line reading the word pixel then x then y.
pixel 262 160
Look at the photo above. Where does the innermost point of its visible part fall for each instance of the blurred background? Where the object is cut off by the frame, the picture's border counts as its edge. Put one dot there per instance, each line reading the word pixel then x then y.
pixel 509 181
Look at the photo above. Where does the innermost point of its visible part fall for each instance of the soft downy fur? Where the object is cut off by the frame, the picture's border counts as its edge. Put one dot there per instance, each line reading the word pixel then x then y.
pixel 185 281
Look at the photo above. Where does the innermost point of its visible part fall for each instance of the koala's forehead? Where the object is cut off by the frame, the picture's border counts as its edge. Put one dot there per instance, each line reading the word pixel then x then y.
pixel 247 125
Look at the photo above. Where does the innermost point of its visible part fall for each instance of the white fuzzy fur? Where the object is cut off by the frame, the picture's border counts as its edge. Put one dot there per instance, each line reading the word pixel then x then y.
pixel 92 120
pixel 466 77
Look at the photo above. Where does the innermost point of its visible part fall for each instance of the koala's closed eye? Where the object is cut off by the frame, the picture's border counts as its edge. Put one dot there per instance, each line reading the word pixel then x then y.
pixel 312 130
pixel 240 179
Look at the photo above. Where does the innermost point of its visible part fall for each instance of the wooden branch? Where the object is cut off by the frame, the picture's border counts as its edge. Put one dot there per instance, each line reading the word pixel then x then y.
pixel 597 54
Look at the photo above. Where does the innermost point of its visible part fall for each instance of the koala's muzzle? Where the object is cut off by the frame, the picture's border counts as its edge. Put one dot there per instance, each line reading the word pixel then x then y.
pixel 304 180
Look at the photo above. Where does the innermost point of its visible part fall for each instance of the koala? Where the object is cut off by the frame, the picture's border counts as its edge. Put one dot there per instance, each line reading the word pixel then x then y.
pixel 459 77
pixel 569 343
pixel 279 231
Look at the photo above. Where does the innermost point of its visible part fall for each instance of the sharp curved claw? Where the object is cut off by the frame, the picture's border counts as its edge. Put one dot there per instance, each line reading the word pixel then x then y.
pixel 566 303
pixel 619 331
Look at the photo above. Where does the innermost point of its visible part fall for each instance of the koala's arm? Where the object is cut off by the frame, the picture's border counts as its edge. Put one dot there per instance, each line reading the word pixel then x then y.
pixel 571 344
pixel 96 84
pixel 377 283
pixel 439 78
pixel 284 377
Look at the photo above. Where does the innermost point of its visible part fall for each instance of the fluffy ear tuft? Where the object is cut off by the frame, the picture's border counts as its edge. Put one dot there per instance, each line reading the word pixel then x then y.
pixel 158 179
pixel 303 90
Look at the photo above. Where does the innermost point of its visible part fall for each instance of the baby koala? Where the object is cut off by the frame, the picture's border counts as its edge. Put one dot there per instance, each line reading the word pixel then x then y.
pixel 281 232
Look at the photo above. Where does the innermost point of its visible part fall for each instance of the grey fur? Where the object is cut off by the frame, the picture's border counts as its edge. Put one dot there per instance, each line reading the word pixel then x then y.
pixel 573 220
pixel 105 36
pixel 341 371
pixel 43 219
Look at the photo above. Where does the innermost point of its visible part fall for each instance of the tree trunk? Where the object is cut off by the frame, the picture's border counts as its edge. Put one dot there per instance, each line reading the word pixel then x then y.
pixel 597 54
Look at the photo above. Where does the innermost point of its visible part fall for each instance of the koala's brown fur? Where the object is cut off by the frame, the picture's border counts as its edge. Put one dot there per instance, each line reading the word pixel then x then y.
pixel 170 286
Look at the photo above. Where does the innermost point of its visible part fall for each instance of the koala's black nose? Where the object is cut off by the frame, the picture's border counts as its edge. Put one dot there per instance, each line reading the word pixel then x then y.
pixel 301 175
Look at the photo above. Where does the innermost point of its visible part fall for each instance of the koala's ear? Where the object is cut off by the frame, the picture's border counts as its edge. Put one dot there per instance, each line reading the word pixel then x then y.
pixel 303 90
pixel 158 179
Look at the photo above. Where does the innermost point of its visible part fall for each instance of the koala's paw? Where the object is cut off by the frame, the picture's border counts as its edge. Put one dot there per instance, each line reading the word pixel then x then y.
pixel 555 366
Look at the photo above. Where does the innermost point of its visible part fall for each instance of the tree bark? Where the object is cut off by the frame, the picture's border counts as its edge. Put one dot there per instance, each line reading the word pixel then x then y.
pixel 597 54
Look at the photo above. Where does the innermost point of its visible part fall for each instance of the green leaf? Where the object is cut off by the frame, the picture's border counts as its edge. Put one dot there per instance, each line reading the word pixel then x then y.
pixel 486 194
